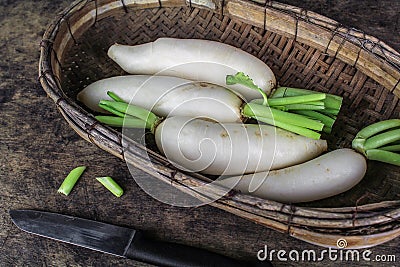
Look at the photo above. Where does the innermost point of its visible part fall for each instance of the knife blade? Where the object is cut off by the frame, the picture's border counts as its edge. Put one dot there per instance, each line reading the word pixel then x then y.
pixel 119 241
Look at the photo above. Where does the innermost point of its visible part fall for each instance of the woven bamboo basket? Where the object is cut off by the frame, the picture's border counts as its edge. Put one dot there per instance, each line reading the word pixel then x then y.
pixel 303 49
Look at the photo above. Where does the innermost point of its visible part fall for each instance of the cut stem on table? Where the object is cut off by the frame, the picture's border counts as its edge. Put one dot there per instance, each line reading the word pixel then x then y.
pixel 70 181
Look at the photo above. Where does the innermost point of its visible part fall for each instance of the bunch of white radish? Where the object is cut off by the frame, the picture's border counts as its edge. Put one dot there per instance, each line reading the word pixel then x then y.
pixel 280 165
pixel 172 96
pixel 179 92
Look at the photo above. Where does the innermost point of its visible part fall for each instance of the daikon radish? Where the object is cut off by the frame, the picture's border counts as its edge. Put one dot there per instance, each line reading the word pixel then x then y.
pixel 194 59
pixel 327 175
pixel 167 96
pixel 232 148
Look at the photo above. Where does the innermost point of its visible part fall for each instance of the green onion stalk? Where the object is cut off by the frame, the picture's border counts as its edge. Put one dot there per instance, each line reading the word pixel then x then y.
pixel 380 141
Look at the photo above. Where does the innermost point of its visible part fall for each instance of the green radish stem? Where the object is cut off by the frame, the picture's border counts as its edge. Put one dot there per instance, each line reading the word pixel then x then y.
pixel 371 130
pixel 392 148
pixel 327 129
pixel 328 121
pixel 123 122
pixel 71 179
pixel 379 141
pixel 112 110
pixel 134 116
pixel 305 106
pixel 115 97
pixel 149 117
pixel 331 101
pixel 383 156
pixel 377 128
pixel 382 139
pixel 111 185
pixel 292 128
pixel 295 100
pixel 330 112
pixel 254 110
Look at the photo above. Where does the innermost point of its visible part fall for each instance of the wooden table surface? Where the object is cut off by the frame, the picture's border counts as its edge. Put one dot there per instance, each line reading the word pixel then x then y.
pixel 38 149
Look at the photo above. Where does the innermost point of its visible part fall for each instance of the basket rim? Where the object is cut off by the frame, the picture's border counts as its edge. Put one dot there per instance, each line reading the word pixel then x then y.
pixel 111 141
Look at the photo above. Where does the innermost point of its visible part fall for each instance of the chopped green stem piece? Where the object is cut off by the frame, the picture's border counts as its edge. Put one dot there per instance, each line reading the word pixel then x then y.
pixel 290 91
pixel 291 128
pixel 330 112
pixel 71 180
pixel 305 106
pixel 314 105
pixel 254 111
pixel 112 110
pixel 243 79
pixel 128 122
pixel 111 185
pixel 383 156
pixel 329 115
pixel 378 127
pixel 327 129
pixel 296 99
pixel 331 101
pixel 115 97
pixel 382 139
pixel 132 110
pixel 392 148
pixel 326 120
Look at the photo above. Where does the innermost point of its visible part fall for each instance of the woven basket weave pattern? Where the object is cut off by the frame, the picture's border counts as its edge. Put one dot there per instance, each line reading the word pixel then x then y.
pixel 84 60
pixel 294 64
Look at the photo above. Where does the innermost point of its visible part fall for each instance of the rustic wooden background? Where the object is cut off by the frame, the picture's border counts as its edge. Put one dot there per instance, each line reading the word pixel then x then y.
pixel 38 149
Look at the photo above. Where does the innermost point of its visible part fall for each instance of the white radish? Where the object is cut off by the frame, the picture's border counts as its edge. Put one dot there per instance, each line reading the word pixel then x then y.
pixel 327 175
pixel 194 59
pixel 232 148
pixel 167 96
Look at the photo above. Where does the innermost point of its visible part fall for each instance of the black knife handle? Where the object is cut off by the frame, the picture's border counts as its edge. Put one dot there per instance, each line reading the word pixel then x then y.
pixel 177 255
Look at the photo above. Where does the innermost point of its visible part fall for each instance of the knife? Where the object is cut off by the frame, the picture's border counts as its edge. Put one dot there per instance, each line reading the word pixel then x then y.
pixel 119 241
